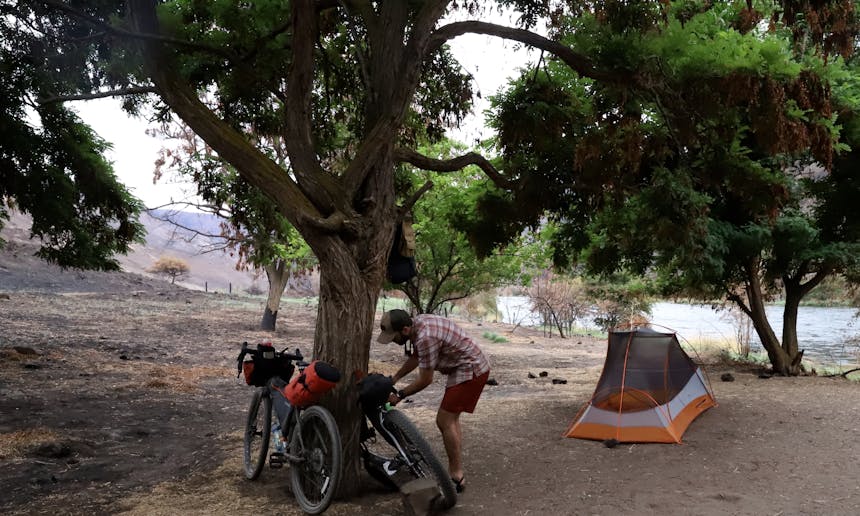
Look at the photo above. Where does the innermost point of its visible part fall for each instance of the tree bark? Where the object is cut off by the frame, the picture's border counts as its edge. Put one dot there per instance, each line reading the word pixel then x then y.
pixel 344 330
pixel 789 330
pixel 779 359
pixel 277 275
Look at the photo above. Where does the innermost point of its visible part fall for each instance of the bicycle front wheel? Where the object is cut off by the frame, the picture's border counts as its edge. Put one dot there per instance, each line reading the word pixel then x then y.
pixel 424 461
pixel 257 430
pixel 315 441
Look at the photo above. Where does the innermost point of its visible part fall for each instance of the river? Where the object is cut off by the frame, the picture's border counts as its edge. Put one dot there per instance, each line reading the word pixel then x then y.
pixel 829 335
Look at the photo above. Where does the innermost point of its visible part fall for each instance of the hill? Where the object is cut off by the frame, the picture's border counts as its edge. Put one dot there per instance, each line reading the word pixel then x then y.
pixel 210 268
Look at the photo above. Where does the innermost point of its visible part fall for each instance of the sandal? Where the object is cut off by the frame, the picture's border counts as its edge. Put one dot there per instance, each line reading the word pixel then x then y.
pixel 459 485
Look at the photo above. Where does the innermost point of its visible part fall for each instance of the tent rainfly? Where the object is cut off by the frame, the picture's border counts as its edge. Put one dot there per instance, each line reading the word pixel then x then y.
pixel 649 391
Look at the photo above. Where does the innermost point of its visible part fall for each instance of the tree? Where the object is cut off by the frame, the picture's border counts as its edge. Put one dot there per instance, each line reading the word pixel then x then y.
pixel 253 228
pixel 52 165
pixel 343 88
pixel 559 300
pixel 173 268
pixel 701 169
pixel 448 267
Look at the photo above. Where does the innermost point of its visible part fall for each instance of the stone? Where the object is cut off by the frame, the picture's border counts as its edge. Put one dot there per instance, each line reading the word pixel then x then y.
pixel 419 497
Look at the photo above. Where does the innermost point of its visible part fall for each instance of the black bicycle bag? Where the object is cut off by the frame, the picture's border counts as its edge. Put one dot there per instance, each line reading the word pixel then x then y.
pixel 265 364
pixel 373 391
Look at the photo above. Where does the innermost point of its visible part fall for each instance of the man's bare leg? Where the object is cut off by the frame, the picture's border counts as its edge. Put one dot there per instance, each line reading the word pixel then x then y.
pixel 452 436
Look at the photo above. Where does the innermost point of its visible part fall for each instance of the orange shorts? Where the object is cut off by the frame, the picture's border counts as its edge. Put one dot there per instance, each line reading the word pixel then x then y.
pixel 463 397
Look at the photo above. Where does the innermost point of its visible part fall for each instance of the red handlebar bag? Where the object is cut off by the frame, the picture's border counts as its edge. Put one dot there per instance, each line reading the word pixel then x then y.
pixel 307 388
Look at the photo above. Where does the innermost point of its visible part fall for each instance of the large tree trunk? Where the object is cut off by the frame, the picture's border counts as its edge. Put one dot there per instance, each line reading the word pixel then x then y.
pixel 278 276
pixel 344 329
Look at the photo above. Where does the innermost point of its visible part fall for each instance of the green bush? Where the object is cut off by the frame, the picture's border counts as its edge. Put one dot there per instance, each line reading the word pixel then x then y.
pixel 492 337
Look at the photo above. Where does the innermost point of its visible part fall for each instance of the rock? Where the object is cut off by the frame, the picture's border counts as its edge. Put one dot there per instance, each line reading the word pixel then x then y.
pixel 727 377
pixel 31 365
pixel 492 381
pixel 123 357
pixel 419 497
pixel 532 376
pixel 5 296
pixel 610 443
pixel 24 350
pixel 559 381
pixel 543 374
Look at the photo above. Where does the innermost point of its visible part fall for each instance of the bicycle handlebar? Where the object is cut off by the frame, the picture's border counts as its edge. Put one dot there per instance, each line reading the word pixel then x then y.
pixel 292 357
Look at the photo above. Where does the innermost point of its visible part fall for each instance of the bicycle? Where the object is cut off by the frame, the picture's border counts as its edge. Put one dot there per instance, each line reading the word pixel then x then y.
pixel 312 444
pixel 403 452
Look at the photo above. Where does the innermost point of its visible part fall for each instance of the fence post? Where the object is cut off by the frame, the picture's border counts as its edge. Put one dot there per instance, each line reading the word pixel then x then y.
pixel 206 286
pixel 230 287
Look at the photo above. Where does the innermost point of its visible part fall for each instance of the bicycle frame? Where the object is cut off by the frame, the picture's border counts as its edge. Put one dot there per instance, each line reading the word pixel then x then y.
pixel 377 421
pixel 287 427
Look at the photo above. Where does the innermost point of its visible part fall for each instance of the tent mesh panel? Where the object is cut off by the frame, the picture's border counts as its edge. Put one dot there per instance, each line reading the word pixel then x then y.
pixel 642 376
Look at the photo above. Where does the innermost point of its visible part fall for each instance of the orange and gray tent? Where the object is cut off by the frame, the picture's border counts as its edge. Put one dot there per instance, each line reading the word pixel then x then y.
pixel 649 391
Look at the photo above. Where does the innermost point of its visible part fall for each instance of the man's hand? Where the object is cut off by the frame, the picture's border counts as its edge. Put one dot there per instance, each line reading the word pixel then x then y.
pixel 393 399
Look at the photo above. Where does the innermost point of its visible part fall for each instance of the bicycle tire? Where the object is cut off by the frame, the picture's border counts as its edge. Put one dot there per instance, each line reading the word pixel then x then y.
pixel 257 427
pixel 316 475
pixel 421 453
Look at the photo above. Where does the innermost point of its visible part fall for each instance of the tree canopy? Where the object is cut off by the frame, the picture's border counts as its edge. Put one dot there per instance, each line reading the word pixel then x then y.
pixel 52 165
pixel 708 167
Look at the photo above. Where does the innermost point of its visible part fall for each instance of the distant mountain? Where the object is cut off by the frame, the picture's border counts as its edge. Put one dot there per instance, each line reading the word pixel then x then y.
pixel 192 240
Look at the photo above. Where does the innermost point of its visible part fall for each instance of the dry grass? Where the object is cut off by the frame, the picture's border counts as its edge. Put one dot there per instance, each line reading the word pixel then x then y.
pixel 15 444
pixel 177 378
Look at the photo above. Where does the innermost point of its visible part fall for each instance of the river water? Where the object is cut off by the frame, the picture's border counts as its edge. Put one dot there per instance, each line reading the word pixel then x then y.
pixel 829 335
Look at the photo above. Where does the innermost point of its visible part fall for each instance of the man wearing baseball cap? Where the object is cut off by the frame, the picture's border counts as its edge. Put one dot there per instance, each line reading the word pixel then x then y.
pixel 440 345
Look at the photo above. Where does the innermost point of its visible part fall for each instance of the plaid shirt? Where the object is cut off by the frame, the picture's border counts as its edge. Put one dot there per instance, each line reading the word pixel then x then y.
pixel 445 347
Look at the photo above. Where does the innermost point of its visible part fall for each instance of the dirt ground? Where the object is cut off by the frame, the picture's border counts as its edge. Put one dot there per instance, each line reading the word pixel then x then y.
pixel 118 395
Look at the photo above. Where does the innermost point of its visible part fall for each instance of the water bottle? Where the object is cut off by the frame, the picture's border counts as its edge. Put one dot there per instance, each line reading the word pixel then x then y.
pixel 278 438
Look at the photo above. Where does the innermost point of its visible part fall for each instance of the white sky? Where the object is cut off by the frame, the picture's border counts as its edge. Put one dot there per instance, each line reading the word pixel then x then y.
pixel 490 60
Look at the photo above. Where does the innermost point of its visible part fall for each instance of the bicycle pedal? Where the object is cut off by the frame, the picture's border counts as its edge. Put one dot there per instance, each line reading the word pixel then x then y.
pixel 277 460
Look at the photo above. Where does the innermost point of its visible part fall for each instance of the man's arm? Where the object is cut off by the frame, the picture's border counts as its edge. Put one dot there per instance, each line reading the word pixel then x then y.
pixel 425 378
pixel 407 367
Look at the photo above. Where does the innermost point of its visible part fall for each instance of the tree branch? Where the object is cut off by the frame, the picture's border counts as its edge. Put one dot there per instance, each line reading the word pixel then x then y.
pixel 738 300
pixel 813 282
pixel 318 185
pixel 335 223
pixel 410 202
pixel 131 90
pixel 116 31
pixel 231 145
pixel 451 165
pixel 578 62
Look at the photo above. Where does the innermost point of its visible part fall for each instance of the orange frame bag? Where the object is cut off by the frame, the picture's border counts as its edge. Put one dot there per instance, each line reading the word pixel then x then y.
pixel 307 388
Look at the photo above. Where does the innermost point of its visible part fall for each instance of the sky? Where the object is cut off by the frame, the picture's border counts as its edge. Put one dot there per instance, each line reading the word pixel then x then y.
pixel 490 60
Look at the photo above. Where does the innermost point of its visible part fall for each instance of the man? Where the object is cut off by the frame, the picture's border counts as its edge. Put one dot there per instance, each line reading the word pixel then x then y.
pixel 440 345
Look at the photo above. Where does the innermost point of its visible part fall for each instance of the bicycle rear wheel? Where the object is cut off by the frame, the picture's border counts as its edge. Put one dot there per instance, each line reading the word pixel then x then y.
pixel 257 430
pixel 315 440
pixel 425 463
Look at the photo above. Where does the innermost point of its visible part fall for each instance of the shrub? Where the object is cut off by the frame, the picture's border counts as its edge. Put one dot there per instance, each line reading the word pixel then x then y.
pixel 171 267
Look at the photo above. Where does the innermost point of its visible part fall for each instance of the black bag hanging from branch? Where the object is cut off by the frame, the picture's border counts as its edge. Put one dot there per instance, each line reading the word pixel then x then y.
pixel 401 259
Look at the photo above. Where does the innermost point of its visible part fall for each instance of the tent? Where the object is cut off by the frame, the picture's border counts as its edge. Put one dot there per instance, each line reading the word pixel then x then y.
pixel 649 391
